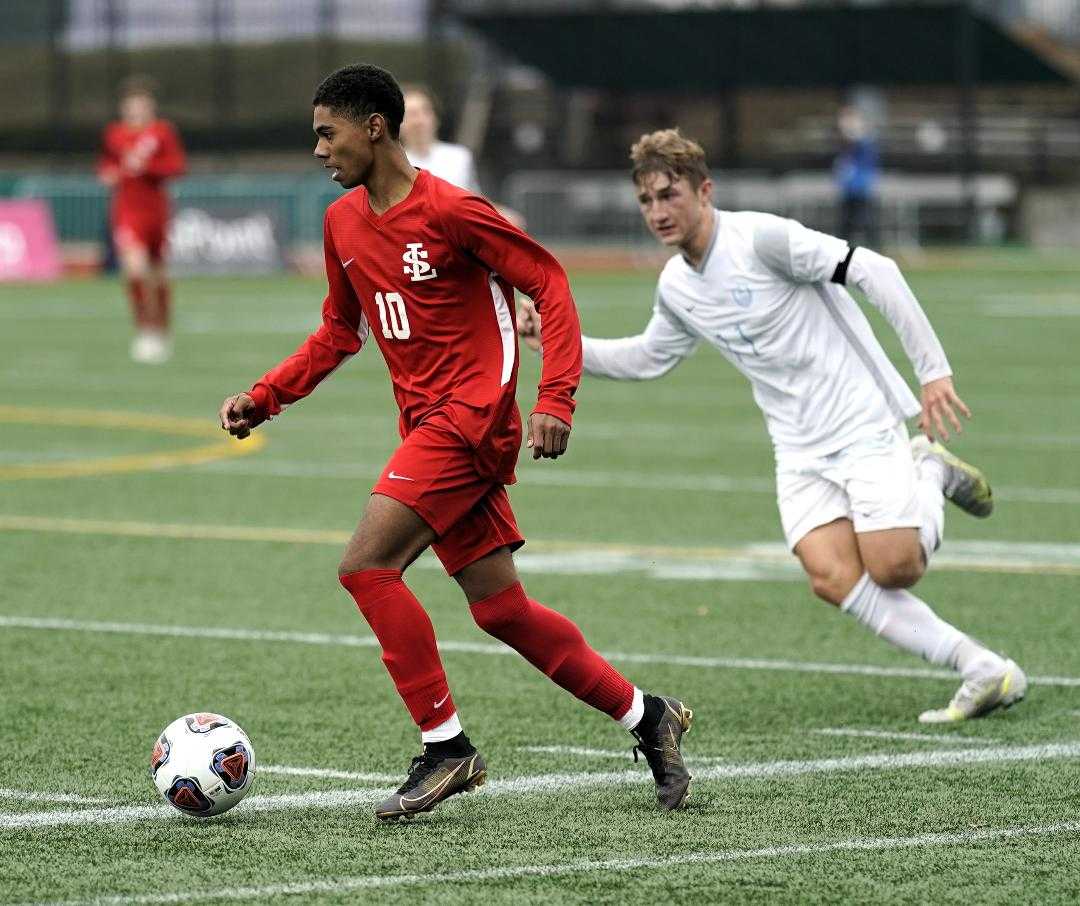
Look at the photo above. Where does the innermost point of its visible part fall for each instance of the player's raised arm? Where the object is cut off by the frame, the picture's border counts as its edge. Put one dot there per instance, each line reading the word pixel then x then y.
pixel 532 269
pixel 341 334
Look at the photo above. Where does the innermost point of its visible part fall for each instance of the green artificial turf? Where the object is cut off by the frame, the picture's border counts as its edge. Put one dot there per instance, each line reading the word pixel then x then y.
pixel 80 707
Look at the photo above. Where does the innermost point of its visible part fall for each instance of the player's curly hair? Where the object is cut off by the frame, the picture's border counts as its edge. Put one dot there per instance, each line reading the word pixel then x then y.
pixel 360 90
pixel 669 151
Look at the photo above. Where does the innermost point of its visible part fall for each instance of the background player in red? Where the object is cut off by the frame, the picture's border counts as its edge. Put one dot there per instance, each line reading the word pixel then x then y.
pixel 428 270
pixel 139 153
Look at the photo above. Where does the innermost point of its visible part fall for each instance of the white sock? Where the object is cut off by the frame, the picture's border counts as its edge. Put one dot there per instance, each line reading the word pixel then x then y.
pixel 637 710
pixel 448 729
pixel 908 623
pixel 931 480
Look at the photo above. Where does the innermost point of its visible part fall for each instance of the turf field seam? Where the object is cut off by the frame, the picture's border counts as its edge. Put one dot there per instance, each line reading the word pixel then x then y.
pixel 457 647
pixel 557 784
pixel 59 798
pixel 913 737
pixel 332 886
pixel 291 771
pixel 754 560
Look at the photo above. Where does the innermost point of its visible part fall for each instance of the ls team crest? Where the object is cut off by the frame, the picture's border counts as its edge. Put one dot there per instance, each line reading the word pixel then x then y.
pixel 416 263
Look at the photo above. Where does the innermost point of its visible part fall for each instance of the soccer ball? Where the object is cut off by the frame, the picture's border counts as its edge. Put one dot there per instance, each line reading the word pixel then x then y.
pixel 203 764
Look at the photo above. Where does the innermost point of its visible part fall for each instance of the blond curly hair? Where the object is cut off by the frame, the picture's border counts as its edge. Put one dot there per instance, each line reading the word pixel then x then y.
pixel 668 151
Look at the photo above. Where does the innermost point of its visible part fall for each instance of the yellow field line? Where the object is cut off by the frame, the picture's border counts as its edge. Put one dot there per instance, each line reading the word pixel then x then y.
pixel 174 426
pixel 337 537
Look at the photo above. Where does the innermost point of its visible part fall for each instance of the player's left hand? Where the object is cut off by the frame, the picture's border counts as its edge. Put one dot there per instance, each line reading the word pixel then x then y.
pixel 548 436
pixel 939 402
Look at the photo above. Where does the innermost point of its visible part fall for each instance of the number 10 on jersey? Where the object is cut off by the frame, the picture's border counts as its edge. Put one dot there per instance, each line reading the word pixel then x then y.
pixel 395 322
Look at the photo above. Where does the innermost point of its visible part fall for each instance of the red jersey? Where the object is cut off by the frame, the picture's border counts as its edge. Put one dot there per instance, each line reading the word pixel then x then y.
pixel 142 159
pixel 432 280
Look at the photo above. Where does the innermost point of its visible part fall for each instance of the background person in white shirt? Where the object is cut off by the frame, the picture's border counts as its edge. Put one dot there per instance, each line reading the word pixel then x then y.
pixel 454 163
pixel 861 506
pixel 420 136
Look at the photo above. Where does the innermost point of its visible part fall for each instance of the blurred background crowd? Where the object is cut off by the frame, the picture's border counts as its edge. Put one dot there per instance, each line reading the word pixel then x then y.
pixel 901 124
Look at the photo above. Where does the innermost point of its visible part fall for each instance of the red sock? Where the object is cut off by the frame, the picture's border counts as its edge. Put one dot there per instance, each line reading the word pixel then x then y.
pixel 554 644
pixel 136 291
pixel 163 312
pixel 408 642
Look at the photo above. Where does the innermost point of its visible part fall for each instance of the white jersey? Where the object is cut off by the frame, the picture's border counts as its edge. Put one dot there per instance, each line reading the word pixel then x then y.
pixel 762 296
pixel 454 163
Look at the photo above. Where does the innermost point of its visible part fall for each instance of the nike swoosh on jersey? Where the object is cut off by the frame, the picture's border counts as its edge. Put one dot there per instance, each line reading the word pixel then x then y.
pixel 347 263
pixel 394 475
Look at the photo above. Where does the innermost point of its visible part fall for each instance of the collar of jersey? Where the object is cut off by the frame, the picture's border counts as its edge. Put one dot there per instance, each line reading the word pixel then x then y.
pixel 394 209
pixel 700 269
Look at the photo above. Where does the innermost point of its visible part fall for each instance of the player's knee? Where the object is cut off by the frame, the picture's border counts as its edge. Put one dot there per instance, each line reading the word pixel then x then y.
pixel 832 585
pixel 360 557
pixel 502 611
pixel 900 571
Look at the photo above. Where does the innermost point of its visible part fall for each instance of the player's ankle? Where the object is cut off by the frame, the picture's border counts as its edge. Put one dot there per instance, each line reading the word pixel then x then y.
pixel 650 718
pixel 455 747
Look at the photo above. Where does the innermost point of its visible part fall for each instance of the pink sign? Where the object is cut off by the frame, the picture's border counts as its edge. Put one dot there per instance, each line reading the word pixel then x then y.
pixel 28 249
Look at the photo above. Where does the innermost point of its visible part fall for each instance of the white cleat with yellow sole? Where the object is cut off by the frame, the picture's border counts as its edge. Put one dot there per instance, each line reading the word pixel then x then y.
pixel 979 696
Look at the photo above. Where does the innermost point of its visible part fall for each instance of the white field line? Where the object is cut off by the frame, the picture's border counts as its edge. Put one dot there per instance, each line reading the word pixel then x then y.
pixel 584 478
pixel 914 737
pixel 619 754
pixel 771 770
pixel 79 817
pixel 755 561
pixel 1057 305
pixel 555 784
pixel 357 641
pixel 338 886
pixel 696 438
pixel 289 771
pixel 61 798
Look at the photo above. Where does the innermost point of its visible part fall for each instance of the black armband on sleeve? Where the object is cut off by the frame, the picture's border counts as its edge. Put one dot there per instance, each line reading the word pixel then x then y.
pixel 840 274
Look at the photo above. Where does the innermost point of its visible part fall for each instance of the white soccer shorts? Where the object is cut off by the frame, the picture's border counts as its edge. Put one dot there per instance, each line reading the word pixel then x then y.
pixel 872 482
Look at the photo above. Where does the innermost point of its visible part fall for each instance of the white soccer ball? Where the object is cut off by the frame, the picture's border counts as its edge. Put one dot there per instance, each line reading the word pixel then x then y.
pixel 203 764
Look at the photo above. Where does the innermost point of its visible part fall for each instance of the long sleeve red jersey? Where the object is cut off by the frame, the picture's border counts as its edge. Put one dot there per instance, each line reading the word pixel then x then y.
pixel 142 160
pixel 432 280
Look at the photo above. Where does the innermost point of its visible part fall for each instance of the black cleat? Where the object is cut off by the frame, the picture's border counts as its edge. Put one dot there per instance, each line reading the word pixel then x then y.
pixel 661 748
pixel 433 778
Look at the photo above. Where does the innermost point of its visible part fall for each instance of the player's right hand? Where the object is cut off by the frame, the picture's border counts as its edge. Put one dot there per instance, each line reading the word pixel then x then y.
pixel 528 323
pixel 239 415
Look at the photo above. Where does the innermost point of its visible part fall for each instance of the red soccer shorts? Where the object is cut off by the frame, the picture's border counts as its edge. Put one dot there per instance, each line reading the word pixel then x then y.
pixel 140 232
pixel 433 473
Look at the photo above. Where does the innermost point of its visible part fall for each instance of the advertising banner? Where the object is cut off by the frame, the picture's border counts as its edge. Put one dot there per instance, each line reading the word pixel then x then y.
pixel 224 239
pixel 28 247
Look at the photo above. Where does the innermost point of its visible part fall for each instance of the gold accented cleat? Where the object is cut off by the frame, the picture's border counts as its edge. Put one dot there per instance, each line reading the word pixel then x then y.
pixel 662 748
pixel 431 780
pixel 965 485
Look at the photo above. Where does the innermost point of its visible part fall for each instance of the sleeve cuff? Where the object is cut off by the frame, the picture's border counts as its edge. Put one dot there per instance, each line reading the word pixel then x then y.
pixel 264 401
pixel 935 374
pixel 559 408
